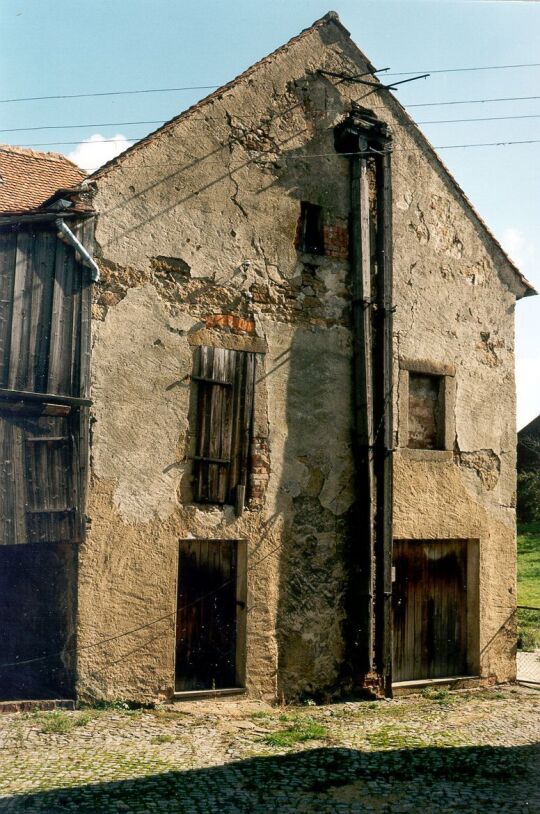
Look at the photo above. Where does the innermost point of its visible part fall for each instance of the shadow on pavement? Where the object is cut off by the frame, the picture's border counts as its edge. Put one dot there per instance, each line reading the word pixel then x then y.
pixel 408 781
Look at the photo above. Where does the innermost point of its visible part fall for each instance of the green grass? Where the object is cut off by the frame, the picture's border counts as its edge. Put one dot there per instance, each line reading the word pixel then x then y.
pixel 529 564
pixel 439 695
pixel 162 739
pixel 529 585
pixel 300 731
pixel 56 722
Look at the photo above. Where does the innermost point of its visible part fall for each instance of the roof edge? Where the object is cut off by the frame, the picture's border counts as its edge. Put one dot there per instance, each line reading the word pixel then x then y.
pixel 331 17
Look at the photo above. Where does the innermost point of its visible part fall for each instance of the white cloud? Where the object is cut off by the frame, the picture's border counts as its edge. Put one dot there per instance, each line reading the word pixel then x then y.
pixel 96 150
pixel 521 249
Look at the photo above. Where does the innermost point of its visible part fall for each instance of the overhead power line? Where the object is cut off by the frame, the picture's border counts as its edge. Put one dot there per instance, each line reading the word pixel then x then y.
pixel 474 101
pixel 134 140
pixel 107 93
pixel 161 121
pixel 214 87
pixel 474 68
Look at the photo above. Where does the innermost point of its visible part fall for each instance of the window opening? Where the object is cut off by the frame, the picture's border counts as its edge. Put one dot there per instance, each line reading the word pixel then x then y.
pixel 225 381
pixel 311 234
pixel 426 411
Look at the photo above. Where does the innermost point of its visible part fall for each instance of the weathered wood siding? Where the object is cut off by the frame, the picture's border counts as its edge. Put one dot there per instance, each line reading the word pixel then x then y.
pixel 45 301
pixel 430 609
pixel 206 632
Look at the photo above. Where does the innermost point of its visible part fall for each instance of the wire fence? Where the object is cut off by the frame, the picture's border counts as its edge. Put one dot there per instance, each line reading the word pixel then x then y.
pixel 528 655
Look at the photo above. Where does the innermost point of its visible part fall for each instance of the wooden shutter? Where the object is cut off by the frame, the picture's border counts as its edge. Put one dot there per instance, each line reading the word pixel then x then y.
pixel 225 381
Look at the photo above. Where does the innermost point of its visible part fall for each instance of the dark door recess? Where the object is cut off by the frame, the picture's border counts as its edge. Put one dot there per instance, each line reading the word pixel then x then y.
pixel 430 609
pixel 210 626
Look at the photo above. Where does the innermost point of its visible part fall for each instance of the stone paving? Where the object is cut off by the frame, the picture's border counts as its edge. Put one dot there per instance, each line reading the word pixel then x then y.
pixel 470 752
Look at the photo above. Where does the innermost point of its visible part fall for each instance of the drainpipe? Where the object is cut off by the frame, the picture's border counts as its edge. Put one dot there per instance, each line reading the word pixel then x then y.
pixel 364 139
pixel 67 234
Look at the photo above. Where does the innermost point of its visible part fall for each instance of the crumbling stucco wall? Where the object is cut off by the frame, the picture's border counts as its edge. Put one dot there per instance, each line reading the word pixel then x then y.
pixel 201 221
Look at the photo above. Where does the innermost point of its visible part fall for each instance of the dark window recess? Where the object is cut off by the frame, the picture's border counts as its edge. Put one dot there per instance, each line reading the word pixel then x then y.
pixel 310 231
pixel 426 411
pixel 225 386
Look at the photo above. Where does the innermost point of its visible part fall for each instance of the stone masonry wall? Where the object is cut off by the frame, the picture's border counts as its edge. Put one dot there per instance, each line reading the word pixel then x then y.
pixel 196 245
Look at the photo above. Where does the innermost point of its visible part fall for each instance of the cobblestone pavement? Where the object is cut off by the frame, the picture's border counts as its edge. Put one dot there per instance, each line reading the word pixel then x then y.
pixel 440 752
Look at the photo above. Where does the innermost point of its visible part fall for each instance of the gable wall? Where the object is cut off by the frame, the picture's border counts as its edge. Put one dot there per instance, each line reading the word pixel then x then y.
pixel 202 221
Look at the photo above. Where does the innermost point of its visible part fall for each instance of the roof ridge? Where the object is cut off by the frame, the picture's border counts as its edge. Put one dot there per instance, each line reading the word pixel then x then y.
pixel 28 152
pixel 329 17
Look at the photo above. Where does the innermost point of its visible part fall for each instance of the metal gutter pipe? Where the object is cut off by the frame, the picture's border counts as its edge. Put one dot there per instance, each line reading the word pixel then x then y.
pixel 78 246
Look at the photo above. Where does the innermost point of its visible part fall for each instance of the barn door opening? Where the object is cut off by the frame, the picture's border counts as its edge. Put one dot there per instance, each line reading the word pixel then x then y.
pixel 211 615
pixel 431 607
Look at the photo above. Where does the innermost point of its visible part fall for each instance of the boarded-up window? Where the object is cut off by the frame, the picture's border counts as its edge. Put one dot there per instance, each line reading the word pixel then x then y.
pixel 225 382
pixel 426 411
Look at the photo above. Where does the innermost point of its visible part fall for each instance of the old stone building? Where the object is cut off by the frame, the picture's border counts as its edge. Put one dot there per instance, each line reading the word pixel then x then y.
pixel 302 432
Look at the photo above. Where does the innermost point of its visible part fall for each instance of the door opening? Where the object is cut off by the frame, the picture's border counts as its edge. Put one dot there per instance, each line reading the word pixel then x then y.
pixel 211 609
pixel 431 609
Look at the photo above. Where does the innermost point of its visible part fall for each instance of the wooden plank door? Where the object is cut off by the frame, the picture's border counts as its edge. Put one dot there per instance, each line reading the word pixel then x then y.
pixel 430 609
pixel 207 611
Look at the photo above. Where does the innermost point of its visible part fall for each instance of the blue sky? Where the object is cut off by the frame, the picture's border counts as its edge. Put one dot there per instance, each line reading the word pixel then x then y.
pixel 88 46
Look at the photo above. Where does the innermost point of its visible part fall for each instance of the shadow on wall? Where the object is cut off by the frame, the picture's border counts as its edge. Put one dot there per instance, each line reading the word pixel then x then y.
pixel 321 780
pixel 316 487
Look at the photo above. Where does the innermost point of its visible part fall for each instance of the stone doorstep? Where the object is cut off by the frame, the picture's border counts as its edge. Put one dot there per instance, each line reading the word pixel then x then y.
pixel 195 695
pixel 452 682
pixel 35 706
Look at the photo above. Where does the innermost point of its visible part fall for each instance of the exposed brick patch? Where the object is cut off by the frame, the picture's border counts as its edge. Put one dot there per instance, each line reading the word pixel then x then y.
pixel 336 239
pixel 231 323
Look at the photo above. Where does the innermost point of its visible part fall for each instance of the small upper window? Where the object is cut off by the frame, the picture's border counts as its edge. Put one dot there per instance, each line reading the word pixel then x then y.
pixel 225 381
pixel 310 231
pixel 426 411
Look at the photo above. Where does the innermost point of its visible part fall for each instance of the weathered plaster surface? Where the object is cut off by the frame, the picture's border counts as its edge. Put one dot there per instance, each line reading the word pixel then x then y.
pixel 202 221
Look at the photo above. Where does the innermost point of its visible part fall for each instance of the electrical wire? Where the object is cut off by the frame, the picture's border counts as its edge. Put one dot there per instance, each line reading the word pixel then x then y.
pixel 162 121
pixel 214 87
pixel 459 70
pixel 117 636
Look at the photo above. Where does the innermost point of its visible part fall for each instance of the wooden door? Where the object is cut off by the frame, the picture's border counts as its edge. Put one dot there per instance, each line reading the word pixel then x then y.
pixel 430 609
pixel 208 608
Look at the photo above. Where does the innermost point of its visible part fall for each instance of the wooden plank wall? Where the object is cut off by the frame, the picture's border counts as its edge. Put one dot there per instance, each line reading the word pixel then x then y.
pixel 43 325
pixel 45 309
pixel 430 609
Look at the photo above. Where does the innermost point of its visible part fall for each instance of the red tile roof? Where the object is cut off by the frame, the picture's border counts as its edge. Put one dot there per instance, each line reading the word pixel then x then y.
pixel 28 177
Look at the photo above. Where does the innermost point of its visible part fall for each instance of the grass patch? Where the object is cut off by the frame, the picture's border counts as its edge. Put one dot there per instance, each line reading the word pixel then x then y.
pixel 261 714
pixel 388 737
pixel 302 730
pixel 84 718
pixel 56 723
pixel 163 739
pixel 528 546
pixel 439 695
pixel 529 585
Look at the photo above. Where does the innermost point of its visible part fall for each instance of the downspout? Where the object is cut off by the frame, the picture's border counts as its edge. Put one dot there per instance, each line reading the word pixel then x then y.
pixel 385 414
pixel 352 142
pixel 363 137
pixel 67 234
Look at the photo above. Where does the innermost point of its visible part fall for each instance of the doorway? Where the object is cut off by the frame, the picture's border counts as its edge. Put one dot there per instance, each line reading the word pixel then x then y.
pixel 211 615
pixel 431 608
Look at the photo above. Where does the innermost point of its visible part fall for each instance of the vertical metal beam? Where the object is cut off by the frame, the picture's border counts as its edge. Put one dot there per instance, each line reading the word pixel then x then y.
pixel 363 405
pixel 384 444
